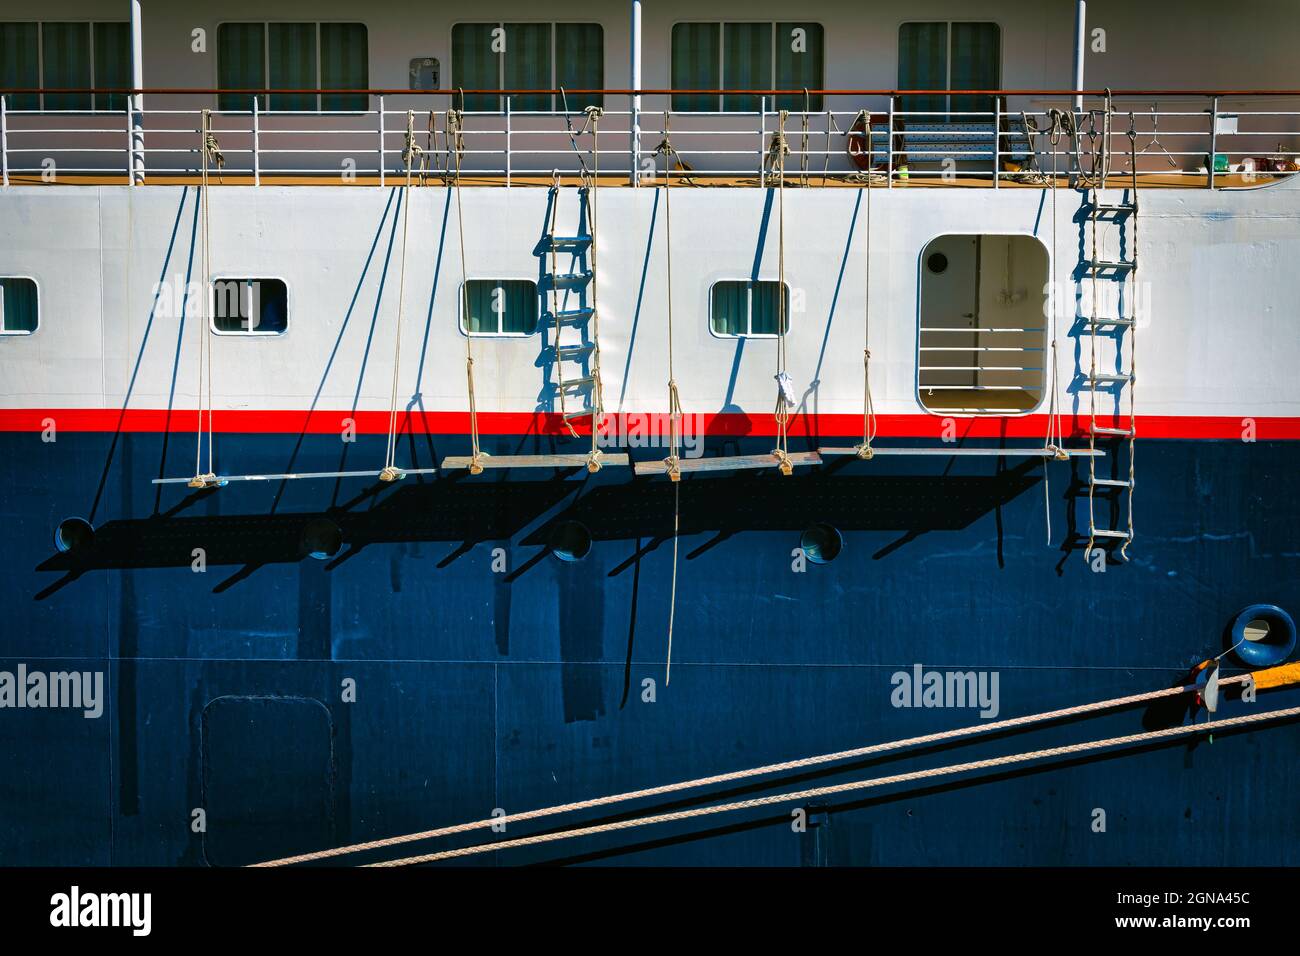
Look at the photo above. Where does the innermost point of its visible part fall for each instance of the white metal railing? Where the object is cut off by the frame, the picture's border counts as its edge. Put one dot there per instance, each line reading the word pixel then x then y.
pixel 1218 145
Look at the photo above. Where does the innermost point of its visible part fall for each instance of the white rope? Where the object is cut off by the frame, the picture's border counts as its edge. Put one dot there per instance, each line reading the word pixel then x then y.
pixel 673 461
pixel 455 148
pixel 780 148
pixel 209 152
pixel 390 470
pixel 830 790
pixel 864 450
pixel 1277 677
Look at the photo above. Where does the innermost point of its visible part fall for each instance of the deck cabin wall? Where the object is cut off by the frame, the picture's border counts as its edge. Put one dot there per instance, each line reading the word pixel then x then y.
pixel 1198 48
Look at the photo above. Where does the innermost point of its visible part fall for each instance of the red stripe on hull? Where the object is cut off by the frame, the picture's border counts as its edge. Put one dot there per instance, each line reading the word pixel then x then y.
pixel 724 424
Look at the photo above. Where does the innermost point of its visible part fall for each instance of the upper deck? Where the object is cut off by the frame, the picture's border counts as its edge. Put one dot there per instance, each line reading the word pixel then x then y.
pixel 323 93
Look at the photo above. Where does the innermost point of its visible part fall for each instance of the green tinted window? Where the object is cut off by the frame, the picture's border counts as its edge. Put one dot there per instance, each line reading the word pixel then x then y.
pixel 344 65
pixel 65 53
pixel 500 307
pixel 18 307
pixel 743 307
pixel 241 63
pixel 20 64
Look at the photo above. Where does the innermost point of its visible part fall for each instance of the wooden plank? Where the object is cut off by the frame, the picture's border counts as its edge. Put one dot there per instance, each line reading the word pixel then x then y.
pixel 988 452
pixel 297 476
pixel 533 461
pixel 726 463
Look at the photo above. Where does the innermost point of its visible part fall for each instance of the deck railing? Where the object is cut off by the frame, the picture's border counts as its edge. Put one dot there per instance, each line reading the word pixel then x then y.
pixel 1215 139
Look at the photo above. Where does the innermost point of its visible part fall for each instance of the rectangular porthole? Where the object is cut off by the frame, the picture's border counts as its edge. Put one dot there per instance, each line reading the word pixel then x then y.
pixel 743 308
pixel 250 306
pixel 19 306
pixel 502 307
pixel 982 336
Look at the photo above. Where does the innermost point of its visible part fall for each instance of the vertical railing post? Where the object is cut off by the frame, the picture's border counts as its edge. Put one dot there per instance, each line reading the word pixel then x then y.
pixel 762 140
pixel 129 113
pixel 257 144
pixel 135 102
pixel 997 139
pixel 509 164
pixel 4 142
pixel 889 144
pixel 381 140
pixel 634 107
pixel 1214 140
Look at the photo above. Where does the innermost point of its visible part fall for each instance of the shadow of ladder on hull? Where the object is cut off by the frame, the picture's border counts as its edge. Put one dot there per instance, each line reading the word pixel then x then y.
pixel 1117 382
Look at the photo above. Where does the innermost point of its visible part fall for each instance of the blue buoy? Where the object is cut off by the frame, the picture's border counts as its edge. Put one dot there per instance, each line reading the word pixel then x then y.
pixel 1263 635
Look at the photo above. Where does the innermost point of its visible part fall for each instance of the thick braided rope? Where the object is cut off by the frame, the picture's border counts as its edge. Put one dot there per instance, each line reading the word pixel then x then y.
pixel 1280 677
pixel 1009 760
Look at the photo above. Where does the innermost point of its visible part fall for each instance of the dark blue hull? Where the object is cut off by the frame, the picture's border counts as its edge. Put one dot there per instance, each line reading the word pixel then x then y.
pixel 522 685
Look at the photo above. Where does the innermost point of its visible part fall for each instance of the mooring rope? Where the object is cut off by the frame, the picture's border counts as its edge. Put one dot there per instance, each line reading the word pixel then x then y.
pixel 1263 680
pixel 210 153
pixel 833 789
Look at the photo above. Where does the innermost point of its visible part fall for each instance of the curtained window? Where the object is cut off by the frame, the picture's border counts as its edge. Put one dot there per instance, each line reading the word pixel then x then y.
pixel 19 313
pixel 744 307
pixel 65 56
pixel 293 56
pixel 499 307
pixel 528 56
pixel 747 56
pixel 948 56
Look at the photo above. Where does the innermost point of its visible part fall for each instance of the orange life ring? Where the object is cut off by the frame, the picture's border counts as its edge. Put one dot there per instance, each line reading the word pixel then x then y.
pixel 860 147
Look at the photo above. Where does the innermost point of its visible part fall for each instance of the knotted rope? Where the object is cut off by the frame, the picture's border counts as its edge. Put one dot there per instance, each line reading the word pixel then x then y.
pixel 673 461
pixel 776 155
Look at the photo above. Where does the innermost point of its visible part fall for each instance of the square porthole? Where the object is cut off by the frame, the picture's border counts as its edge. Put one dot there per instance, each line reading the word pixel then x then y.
pixel 246 306
pixel 20 312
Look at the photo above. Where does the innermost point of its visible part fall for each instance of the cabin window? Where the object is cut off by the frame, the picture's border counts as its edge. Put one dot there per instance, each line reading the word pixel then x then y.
pixel 528 56
pixel 949 56
pixel 499 307
pixel 746 56
pixel 19 309
pixel 982 333
pixel 250 307
pixel 293 56
pixel 744 307
pixel 65 56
